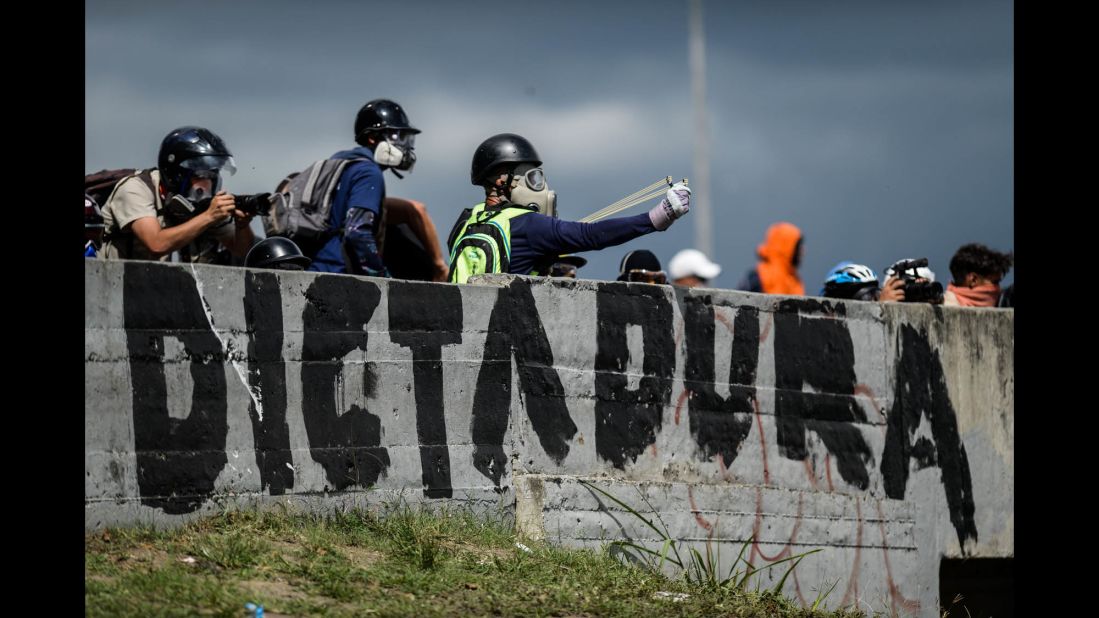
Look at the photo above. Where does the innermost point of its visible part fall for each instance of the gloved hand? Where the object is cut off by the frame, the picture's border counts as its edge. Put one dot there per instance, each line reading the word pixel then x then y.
pixel 675 204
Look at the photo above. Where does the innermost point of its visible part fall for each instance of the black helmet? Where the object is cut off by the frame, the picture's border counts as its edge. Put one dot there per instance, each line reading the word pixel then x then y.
pixel 188 150
pixel 277 252
pixel 641 265
pixel 498 150
pixel 378 115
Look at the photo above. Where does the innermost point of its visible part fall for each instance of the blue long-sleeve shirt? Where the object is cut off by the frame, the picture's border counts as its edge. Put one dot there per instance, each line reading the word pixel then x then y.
pixel 357 208
pixel 536 237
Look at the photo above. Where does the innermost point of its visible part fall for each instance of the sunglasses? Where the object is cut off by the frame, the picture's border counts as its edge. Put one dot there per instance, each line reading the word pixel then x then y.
pixel 640 275
pixel 563 270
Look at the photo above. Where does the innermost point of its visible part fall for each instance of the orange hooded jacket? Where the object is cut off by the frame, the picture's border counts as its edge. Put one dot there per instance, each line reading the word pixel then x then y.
pixel 776 270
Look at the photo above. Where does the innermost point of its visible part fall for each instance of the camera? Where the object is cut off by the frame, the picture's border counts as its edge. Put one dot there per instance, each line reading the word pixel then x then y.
pixel 252 204
pixel 248 204
pixel 916 291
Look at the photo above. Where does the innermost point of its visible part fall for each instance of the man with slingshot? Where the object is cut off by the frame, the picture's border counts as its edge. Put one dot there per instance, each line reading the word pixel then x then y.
pixel 516 229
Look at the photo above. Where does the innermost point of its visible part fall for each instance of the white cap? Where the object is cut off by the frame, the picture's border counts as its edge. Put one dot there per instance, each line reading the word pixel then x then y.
pixel 692 262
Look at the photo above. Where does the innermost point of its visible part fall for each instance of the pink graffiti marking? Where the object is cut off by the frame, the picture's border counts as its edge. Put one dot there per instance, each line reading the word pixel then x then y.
pixel 853 579
pixel 698 515
pixel 679 403
pixel 766 330
pixel 895 595
pixel 762 443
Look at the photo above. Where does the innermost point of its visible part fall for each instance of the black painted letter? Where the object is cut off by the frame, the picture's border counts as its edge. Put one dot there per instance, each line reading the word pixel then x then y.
pixel 627 421
pixel 347 444
pixel 267 379
pixel 177 460
pixel 719 425
pixel 426 317
pixel 920 389
pixel 818 351
pixel 515 328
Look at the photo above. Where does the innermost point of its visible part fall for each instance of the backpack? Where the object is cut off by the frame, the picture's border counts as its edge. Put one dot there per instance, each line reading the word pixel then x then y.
pixel 482 243
pixel 101 184
pixel 301 205
pixel 98 188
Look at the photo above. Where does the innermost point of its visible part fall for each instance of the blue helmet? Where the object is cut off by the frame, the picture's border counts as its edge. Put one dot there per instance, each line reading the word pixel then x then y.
pixel 850 280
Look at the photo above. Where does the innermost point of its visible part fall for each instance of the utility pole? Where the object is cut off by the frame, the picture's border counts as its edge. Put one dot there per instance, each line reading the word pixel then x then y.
pixel 700 183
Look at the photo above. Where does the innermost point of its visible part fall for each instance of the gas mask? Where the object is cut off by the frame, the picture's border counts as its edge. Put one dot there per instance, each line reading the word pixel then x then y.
pixel 202 185
pixel 199 189
pixel 179 209
pixel 530 189
pixel 199 177
pixel 396 150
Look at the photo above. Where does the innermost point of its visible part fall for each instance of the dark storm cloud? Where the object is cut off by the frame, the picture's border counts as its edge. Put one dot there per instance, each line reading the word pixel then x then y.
pixel 884 130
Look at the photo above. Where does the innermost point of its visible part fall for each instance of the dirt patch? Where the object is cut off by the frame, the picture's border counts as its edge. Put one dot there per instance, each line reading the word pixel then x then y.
pixel 279 589
pixel 362 557
pixel 143 556
pixel 149 556
pixel 469 548
pixel 287 550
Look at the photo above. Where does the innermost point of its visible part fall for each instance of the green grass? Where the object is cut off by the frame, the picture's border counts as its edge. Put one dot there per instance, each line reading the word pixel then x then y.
pixel 409 562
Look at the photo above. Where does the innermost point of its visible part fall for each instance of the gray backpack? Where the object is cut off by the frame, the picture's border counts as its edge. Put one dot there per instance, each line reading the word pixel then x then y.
pixel 301 205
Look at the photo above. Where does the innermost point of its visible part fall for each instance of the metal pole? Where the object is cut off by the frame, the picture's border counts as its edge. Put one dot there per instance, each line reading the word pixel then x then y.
pixel 700 183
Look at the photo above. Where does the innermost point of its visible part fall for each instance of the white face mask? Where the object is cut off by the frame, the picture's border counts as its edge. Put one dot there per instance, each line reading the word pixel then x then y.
pixel 531 189
pixel 397 156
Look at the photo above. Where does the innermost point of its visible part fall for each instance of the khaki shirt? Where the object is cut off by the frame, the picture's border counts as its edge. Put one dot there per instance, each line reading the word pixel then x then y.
pixel 132 200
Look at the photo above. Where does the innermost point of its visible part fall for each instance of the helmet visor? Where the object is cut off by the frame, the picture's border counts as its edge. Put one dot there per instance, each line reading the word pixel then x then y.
pixel 400 137
pixel 219 164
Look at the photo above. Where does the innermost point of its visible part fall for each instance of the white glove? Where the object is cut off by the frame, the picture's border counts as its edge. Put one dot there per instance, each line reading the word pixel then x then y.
pixel 675 204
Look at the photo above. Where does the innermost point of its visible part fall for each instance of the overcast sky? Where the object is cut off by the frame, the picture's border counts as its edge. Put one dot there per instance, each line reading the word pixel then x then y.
pixel 884 130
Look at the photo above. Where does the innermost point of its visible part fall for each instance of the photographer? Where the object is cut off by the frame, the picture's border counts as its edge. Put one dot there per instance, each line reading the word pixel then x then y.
pixel 911 281
pixel 178 206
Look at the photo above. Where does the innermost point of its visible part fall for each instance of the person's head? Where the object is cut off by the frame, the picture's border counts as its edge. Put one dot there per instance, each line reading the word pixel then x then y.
pixel 691 268
pixel 508 168
pixel 976 265
pixel 784 244
pixel 852 281
pixel 566 266
pixel 641 266
pixel 278 253
pixel 191 163
pixel 382 126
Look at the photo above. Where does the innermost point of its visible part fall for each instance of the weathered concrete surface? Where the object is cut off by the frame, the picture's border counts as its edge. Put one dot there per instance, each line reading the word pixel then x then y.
pixel 883 433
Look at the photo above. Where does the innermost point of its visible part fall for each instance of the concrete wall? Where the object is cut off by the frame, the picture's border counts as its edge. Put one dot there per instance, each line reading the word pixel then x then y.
pixel 883 433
